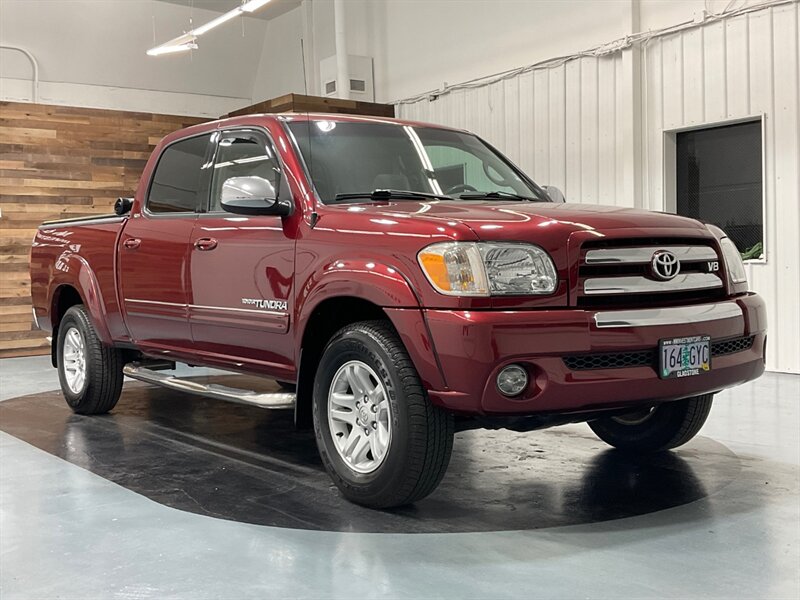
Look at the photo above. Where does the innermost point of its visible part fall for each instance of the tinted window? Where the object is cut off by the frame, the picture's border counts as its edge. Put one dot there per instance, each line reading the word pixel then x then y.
pixel 358 157
pixel 720 181
pixel 176 182
pixel 243 154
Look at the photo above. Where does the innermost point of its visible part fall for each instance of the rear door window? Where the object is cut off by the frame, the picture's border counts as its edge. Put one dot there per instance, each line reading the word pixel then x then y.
pixel 177 181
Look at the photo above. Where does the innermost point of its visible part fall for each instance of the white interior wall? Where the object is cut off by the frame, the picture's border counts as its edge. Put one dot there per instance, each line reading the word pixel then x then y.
pixel 424 44
pixel 280 67
pixel 93 54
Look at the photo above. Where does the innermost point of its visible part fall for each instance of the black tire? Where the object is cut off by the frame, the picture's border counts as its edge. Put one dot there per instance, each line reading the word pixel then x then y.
pixel 421 436
pixel 668 426
pixel 103 381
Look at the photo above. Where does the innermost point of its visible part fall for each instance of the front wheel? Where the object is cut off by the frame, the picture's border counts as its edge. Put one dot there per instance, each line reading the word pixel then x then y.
pixel 89 372
pixel 654 429
pixel 381 440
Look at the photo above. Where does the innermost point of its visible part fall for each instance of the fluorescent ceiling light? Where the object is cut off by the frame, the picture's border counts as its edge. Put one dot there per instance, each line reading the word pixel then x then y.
pixel 171 49
pixel 187 41
pixel 216 22
pixel 253 5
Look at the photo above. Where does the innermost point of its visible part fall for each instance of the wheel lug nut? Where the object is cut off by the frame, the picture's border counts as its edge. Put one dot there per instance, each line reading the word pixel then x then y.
pixel 374 408
pixel 374 425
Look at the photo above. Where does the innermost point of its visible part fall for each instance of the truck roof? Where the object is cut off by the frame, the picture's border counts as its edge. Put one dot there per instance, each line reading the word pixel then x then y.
pixel 260 118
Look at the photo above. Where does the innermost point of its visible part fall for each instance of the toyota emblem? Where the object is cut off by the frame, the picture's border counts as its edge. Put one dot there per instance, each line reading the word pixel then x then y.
pixel 665 265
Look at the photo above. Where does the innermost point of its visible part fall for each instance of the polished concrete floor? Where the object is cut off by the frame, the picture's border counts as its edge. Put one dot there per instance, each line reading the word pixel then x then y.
pixel 179 497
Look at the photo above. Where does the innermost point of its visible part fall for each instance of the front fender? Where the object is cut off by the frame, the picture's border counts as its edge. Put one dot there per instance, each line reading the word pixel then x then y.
pixel 386 287
pixel 73 270
pixel 369 280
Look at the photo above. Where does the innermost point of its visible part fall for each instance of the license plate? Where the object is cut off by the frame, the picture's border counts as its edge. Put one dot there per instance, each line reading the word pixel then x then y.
pixel 684 357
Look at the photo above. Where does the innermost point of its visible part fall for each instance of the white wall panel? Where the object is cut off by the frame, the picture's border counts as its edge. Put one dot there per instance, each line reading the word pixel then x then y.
pixel 561 125
pixel 734 69
pixel 572 126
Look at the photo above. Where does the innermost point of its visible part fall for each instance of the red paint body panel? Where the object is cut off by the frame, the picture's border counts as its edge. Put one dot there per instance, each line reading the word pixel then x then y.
pixel 473 346
pixel 167 295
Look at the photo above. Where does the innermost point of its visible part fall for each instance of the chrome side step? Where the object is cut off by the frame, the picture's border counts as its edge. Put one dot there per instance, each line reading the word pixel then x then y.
pixel 220 392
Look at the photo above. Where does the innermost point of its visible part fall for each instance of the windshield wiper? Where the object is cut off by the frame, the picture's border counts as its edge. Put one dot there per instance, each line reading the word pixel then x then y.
pixel 391 195
pixel 496 194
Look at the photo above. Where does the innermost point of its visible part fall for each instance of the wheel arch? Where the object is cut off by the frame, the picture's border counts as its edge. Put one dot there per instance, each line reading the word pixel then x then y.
pixel 326 318
pixel 330 315
pixel 80 288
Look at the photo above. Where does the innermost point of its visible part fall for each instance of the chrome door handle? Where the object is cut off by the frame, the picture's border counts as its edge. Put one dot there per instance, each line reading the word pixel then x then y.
pixel 205 244
pixel 132 243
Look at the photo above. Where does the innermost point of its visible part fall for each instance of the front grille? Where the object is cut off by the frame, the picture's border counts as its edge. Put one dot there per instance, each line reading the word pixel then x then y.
pixel 647 357
pixel 618 272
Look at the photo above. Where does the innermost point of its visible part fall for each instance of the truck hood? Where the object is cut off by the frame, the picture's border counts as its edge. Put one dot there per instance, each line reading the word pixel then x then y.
pixel 504 220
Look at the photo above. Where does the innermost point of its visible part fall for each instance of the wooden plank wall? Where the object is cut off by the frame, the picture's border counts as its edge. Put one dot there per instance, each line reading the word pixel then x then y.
pixel 59 162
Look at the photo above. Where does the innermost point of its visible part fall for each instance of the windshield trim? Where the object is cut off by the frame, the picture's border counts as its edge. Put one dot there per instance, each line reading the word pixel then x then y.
pixel 309 119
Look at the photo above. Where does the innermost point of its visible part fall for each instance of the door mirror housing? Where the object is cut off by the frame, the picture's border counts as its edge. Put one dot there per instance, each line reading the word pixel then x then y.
pixel 123 206
pixel 556 195
pixel 252 195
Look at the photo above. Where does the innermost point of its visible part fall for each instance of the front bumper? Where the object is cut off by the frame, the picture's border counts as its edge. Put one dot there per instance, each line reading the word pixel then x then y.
pixel 471 347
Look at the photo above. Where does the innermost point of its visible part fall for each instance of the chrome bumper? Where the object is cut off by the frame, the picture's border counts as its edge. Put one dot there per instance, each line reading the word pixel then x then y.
pixel 647 317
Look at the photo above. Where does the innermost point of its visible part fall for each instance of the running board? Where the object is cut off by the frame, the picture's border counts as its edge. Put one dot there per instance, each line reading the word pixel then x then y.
pixel 211 390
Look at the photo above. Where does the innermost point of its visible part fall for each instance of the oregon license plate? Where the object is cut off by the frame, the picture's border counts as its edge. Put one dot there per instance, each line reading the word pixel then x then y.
pixel 684 357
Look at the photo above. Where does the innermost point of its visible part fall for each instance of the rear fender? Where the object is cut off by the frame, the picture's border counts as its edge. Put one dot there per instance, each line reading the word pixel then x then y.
pixel 73 270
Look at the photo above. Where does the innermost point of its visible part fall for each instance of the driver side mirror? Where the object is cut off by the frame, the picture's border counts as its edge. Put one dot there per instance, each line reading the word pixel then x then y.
pixel 556 195
pixel 252 195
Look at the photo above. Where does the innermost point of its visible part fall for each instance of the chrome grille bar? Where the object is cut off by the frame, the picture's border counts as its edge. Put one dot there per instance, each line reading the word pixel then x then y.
pixel 644 254
pixel 642 285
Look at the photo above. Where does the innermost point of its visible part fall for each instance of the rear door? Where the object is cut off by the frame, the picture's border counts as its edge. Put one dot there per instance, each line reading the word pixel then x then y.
pixel 154 248
pixel 242 267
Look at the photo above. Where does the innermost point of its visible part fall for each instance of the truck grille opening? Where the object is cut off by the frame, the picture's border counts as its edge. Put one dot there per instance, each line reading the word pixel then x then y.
pixel 618 272
pixel 647 357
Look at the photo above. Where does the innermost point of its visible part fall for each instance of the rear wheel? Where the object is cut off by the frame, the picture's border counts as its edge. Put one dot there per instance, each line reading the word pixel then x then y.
pixel 654 429
pixel 89 372
pixel 381 440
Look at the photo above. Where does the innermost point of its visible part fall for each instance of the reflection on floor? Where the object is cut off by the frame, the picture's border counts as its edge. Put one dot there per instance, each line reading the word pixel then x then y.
pixel 249 464
pixel 556 509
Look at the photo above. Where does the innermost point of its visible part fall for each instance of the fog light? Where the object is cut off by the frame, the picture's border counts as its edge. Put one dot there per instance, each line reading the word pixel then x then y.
pixel 512 380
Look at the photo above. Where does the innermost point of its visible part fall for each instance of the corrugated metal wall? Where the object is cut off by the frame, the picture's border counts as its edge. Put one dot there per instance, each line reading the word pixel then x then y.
pixel 560 125
pixel 571 126
pixel 734 69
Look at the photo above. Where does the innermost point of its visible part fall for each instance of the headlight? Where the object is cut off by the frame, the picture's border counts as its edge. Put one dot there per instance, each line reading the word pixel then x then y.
pixel 733 261
pixel 486 269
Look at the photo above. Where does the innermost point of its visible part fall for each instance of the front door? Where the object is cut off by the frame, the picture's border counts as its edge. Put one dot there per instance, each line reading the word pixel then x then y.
pixel 241 267
pixel 154 248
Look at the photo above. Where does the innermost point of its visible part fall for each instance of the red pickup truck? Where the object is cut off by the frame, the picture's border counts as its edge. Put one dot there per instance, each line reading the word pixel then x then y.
pixel 402 281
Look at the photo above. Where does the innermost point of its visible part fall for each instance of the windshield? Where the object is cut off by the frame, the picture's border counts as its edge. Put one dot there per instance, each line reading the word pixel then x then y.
pixel 349 159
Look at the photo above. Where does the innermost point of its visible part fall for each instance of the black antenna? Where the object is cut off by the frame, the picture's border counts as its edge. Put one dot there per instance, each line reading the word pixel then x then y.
pixel 305 77
pixel 314 215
